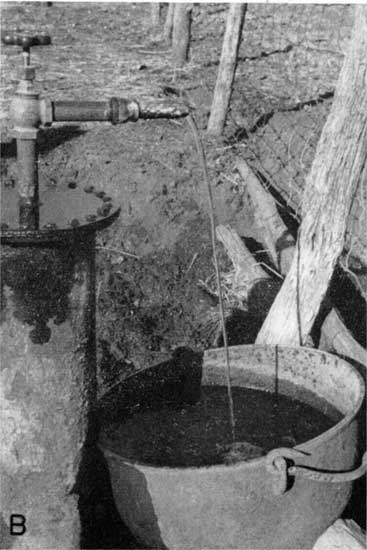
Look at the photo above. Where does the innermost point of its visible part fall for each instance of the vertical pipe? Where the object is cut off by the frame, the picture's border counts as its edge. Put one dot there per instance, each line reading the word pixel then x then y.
pixel 47 383
pixel 28 184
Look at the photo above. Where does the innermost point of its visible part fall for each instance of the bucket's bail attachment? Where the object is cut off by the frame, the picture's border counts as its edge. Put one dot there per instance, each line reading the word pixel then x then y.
pixel 276 464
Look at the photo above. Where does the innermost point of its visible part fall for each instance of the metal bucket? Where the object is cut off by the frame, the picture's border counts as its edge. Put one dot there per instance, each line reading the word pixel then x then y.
pixel 285 499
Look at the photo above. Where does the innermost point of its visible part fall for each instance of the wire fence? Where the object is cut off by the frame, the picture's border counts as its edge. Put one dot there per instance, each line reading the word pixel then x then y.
pixel 289 62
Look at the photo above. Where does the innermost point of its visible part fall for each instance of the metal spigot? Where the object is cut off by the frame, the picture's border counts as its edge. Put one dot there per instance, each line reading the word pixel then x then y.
pixel 24 112
pixel 47 307
pixel 28 112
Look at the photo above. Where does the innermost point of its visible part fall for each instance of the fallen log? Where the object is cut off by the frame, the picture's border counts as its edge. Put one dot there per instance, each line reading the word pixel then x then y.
pixel 335 336
pixel 247 288
pixel 277 238
pixel 343 534
pixel 246 270
pixel 338 170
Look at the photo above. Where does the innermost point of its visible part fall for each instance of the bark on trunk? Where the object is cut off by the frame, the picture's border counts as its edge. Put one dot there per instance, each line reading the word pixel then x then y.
pixel 181 34
pixel 335 336
pixel 340 165
pixel 227 68
pixel 168 24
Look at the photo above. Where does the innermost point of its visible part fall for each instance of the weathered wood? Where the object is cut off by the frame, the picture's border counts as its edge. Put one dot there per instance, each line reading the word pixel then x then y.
pixel 155 13
pixel 336 337
pixel 343 535
pixel 181 34
pixel 227 68
pixel 340 165
pixel 168 24
pixel 246 270
pixel 277 238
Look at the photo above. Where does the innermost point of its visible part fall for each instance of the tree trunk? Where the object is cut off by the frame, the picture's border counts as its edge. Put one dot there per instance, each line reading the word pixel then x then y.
pixel 155 13
pixel 340 165
pixel 181 34
pixel 335 336
pixel 168 24
pixel 227 68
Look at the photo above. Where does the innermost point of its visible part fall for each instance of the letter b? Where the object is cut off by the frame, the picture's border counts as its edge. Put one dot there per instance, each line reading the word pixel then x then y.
pixel 17 524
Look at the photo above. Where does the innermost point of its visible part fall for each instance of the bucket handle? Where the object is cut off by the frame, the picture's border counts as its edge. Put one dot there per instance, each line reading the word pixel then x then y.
pixel 276 464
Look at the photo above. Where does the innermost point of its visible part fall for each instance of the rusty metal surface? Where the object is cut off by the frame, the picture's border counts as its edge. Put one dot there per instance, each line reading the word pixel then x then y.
pixel 234 506
pixel 64 212
pixel 117 110
pixel 25 39
pixel 114 110
pixel 158 108
pixel 28 184
pixel 81 110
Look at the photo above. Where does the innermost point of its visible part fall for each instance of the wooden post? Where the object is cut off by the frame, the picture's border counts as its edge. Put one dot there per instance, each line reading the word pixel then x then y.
pixel 168 24
pixel 340 165
pixel 155 13
pixel 227 68
pixel 181 34
pixel 335 336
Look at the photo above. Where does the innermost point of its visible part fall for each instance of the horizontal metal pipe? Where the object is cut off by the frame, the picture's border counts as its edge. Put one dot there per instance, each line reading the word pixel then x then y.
pixel 81 111
pixel 116 110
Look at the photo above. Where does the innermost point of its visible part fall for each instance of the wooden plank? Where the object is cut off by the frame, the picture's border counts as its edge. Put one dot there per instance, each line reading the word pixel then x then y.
pixel 342 535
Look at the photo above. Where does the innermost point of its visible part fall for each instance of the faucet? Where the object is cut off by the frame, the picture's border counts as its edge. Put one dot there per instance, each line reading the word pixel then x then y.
pixel 47 313
pixel 29 111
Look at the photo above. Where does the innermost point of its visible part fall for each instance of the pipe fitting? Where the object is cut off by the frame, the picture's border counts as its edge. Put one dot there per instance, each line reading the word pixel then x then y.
pixel 123 110
pixel 24 110
pixel 45 112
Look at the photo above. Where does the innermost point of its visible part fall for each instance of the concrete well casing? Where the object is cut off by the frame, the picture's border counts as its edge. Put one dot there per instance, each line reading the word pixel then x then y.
pixel 47 383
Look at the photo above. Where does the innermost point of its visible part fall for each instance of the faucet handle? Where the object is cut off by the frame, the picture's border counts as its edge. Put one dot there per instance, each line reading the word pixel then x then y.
pixel 25 39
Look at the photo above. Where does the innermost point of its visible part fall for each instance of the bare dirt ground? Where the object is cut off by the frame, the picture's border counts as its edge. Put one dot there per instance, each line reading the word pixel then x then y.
pixel 150 262
pixel 152 259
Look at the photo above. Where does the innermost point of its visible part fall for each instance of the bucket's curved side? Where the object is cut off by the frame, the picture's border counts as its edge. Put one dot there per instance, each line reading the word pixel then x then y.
pixel 227 506
pixel 234 506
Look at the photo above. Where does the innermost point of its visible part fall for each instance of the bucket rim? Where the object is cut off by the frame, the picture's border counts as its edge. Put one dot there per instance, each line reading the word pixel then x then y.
pixel 306 447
